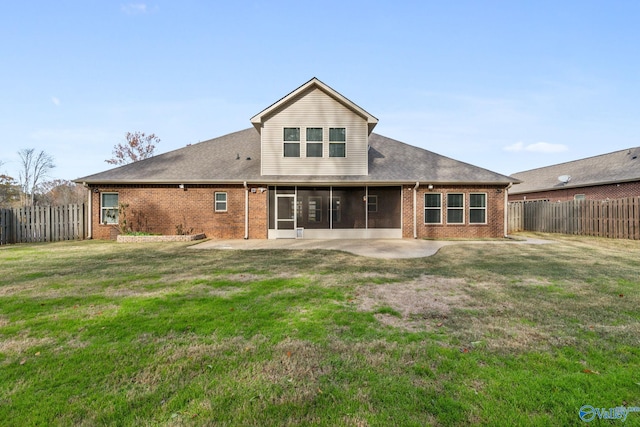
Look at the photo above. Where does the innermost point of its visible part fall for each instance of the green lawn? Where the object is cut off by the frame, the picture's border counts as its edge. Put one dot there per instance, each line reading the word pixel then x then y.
pixel 99 333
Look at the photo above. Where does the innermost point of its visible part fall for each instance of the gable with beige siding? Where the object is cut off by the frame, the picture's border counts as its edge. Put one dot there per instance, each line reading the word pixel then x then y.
pixel 314 109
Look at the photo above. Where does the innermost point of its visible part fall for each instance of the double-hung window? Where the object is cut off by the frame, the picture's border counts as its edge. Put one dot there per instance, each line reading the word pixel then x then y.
pixel 221 202
pixel 455 208
pixel 291 142
pixel 337 142
pixel 433 208
pixel 477 208
pixel 372 203
pixel 109 208
pixel 314 142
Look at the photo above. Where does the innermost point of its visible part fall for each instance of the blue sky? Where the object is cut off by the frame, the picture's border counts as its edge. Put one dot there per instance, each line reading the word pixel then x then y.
pixel 505 85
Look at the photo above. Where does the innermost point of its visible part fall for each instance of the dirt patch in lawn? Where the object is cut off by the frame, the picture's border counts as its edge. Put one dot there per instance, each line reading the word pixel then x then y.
pixel 421 304
pixel 478 314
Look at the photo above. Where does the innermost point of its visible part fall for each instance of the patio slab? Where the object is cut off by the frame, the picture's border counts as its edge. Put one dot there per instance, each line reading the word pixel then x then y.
pixel 373 248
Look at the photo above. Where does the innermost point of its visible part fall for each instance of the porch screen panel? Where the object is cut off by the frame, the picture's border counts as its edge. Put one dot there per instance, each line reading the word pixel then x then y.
pixel 313 203
pixel 348 207
pixel 388 213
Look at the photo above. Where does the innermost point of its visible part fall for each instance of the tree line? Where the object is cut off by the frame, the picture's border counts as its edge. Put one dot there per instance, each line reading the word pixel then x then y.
pixel 33 186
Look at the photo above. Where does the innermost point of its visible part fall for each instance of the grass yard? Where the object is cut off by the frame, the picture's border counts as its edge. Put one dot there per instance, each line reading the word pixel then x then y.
pixel 99 333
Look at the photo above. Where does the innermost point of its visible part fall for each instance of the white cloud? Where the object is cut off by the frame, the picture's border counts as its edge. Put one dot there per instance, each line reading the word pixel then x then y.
pixel 56 101
pixel 538 147
pixel 134 8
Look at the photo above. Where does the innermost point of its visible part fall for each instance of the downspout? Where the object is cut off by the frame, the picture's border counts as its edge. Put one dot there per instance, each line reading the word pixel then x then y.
pixel 246 211
pixel 506 209
pixel 415 210
pixel 89 218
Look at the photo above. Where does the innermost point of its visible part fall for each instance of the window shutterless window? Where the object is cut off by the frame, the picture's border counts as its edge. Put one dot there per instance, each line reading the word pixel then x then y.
pixel 314 142
pixel 372 203
pixel 337 142
pixel 291 142
pixel 455 208
pixel 433 208
pixel 477 208
pixel 109 208
pixel 221 202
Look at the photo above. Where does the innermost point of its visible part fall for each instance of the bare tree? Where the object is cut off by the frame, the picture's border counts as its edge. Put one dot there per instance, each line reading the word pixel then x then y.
pixel 138 146
pixel 35 167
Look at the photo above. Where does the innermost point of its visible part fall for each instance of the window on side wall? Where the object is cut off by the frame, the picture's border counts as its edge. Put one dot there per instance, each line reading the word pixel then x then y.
pixel 455 208
pixel 221 202
pixel 580 197
pixel 337 142
pixel 372 203
pixel 291 142
pixel 314 142
pixel 477 208
pixel 109 208
pixel 433 208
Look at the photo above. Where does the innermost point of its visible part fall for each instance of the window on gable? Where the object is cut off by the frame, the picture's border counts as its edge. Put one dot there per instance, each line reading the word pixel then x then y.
pixel 455 208
pixel 477 208
pixel 291 142
pixel 433 208
pixel 337 142
pixel 109 208
pixel 314 142
pixel 221 202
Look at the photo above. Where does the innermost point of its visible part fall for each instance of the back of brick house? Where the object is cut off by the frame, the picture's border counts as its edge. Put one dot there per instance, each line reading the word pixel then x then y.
pixel 310 167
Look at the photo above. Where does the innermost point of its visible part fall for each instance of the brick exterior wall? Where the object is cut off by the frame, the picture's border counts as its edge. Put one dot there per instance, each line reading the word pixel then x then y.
pixel 599 192
pixel 162 208
pixel 495 214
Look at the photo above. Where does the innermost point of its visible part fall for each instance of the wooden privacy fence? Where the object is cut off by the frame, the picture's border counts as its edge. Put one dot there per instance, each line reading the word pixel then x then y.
pixel 619 218
pixel 42 224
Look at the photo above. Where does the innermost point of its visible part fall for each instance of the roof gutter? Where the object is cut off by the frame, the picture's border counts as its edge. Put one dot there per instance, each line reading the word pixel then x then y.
pixel 246 210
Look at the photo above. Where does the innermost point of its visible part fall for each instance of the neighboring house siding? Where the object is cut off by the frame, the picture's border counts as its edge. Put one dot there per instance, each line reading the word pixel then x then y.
pixel 599 192
pixel 161 209
pixel 495 213
pixel 316 109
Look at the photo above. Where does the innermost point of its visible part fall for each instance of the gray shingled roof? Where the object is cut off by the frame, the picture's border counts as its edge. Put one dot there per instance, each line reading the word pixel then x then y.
pixel 235 158
pixel 619 166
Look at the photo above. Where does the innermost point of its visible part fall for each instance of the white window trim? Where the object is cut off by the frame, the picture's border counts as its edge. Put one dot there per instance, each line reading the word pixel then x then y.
pixel 285 142
pixel 431 208
pixel 103 208
pixel 346 138
pixel 456 208
pixel 486 198
pixel 215 201
pixel 372 201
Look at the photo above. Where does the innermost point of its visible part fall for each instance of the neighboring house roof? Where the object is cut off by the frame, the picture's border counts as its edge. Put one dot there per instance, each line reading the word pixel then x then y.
pixel 619 166
pixel 235 158
pixel 259 118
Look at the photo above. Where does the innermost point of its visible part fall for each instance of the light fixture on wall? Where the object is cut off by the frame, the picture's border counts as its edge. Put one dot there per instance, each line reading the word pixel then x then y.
pixel 430 186
pixel 182 186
